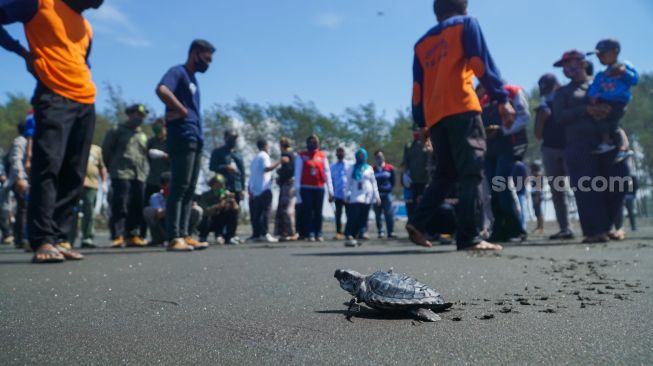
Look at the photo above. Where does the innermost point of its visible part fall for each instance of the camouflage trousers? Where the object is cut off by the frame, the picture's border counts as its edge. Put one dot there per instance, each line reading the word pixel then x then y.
pixel 284 223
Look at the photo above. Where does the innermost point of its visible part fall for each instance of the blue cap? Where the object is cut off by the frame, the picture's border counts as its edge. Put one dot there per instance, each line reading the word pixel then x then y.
pixel 30 126
pixel 606 45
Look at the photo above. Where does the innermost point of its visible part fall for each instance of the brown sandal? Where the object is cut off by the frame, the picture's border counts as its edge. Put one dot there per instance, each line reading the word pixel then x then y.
pixel 55 256
pixel 68 254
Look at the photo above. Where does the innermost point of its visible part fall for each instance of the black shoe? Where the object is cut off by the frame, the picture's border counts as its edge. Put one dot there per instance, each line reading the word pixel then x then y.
pixel 88 246
pixel 563 235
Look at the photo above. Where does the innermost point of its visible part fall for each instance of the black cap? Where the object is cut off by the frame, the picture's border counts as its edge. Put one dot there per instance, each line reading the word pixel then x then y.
pixel 606 45
pixel 230 134
pixel 136 108
pixel 547 82
pixel 570 55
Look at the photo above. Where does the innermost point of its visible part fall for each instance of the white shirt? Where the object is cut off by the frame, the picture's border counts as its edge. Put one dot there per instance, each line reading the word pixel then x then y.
pixel 260 180
pixel 364 191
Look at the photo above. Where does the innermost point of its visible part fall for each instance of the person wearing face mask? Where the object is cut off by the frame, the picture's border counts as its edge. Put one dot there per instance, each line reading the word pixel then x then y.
pixel 59 41
pixel 361 193
pixel 180 92
pixel 157 156
pixel 339 177
pixel 552 135
pixel 312 181
pixel 125 154
pixel 155 212
pixel 284 222
pixel 572 109
pixel 385 180
pixel 228 161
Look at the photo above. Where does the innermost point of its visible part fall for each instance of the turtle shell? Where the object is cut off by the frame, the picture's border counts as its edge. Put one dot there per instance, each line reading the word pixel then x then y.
pixel 390 291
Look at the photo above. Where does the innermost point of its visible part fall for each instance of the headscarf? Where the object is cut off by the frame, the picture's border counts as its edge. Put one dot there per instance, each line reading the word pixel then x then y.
pixel 357 172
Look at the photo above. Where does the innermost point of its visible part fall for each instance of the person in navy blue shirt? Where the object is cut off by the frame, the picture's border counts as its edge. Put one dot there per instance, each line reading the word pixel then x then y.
pixel 385 180
pixel 180 92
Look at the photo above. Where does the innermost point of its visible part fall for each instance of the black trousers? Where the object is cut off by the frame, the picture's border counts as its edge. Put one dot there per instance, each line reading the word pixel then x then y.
pixel 219 225
pixel 262 205
pixel 61 146
pixel 185 162
pixel 417 189
pixel 357 215
pixel 459 143
pixel 150 189
pixel 340 208
pixel 20 218
pixel 126 207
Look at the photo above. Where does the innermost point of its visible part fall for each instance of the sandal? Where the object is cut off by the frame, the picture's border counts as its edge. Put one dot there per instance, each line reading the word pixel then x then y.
pixel 69 254
pixel 54 255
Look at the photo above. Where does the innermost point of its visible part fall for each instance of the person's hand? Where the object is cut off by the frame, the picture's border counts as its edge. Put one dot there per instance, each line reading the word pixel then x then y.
pixel 29 62
pixel 3 179
pixel 491 131
pixel 428 146
pixel 176 115
pixel 28 166
pixel 618 71
pixel 285 160
pixel 22 185
pixel 331 198
pixel 508 114
pixel 232 168
pixel 599 112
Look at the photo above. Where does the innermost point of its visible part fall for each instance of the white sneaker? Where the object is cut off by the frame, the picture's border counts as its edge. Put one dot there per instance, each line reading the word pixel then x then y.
pixel 351 242
pixel 268 238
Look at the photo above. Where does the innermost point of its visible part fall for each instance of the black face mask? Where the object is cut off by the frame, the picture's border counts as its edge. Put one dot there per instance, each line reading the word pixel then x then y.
pixel 80 5
pixel 200 65
pixel 311 146
pixel 231 143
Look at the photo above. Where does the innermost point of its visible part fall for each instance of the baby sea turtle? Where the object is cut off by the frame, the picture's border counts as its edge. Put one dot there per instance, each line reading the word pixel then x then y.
pixel 387 291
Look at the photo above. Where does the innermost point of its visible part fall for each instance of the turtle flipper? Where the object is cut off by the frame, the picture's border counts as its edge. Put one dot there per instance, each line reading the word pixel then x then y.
pixel 351 305
pixel 426 315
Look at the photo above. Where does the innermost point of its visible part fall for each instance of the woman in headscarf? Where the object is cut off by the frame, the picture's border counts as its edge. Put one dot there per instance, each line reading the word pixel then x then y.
pixel 361 192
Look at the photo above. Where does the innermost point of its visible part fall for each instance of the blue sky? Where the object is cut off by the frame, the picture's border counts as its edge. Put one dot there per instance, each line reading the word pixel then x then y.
pixel 337 53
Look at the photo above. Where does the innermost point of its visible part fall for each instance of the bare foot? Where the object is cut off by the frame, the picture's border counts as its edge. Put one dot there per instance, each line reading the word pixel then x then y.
pixel 417 236
pixel 484 246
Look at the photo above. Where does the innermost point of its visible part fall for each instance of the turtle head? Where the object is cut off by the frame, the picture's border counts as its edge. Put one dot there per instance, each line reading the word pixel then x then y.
pixel 350 280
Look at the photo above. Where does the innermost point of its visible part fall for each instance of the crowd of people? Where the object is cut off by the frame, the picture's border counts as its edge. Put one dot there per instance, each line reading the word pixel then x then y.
pixel 462 176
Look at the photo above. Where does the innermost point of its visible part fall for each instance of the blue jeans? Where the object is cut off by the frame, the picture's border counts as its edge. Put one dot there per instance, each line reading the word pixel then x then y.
pixel 312 202
pixel 522 210
pixel 388 214
pixel 504 207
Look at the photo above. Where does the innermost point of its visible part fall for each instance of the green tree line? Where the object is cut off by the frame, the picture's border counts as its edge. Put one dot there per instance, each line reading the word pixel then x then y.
pixel 363 125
